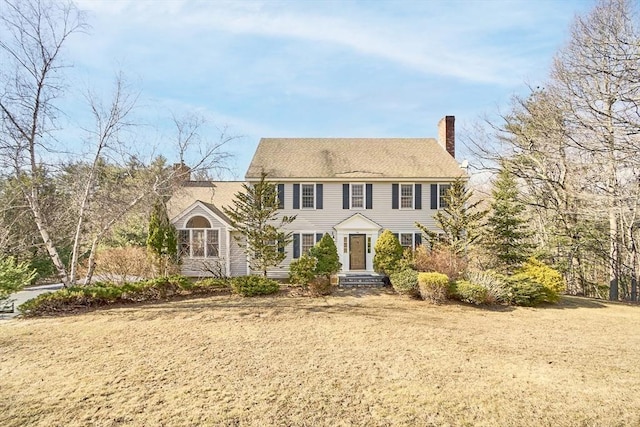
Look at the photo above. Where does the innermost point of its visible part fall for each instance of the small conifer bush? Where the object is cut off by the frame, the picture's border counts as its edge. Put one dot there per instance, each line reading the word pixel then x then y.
pixel 541 273
pixel 473 293
pixel 326 254
pixel 405 282
pixel 433 287
pixel 388 253
pixel 249 286
pixel 302 270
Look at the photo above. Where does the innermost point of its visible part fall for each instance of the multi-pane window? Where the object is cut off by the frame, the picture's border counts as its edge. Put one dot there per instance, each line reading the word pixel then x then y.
pixel 406 196
pixel 213 245
pixel 406 240
pixel 184 239
pixel 443 192
pixel 345 245
pixel 308 198
pixel 198 239
pixel 307 240
pixel 357 195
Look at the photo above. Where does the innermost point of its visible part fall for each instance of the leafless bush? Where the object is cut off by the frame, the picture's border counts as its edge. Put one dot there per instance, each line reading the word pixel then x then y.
pixel 121 264
pixel 440 260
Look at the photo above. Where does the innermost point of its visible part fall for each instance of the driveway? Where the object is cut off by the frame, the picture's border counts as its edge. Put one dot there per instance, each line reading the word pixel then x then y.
pixel 27 294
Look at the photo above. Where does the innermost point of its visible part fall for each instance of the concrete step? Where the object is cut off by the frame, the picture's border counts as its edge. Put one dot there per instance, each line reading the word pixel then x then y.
pixel 362 280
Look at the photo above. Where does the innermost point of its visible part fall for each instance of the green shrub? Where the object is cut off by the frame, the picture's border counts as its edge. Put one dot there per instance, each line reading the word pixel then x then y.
pixel 326 253
pixel 471 292
pixel 210 284
pixel 249 286
pixel 13 276
pixel 405 282
pixel 433 287
pixel 548 277
pixel 320 286
pixel 302 270
pixel 101 294
pixel 525 291
pixel 388 253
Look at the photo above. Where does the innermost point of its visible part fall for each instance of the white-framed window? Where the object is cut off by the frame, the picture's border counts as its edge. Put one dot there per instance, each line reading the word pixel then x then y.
pixel 357 196
pixel 307 241
pixel 198 239
pixel 345 245
pixel 442 191
pixel 406 196
pixel 406 240
pixel 308 196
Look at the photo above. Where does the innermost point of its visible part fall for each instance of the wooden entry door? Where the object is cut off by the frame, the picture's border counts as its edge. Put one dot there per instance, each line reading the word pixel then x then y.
pixel 357 253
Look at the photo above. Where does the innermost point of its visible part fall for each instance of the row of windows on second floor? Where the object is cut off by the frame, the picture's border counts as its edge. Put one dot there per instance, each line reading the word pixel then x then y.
pixel 360 196
pixel 303 242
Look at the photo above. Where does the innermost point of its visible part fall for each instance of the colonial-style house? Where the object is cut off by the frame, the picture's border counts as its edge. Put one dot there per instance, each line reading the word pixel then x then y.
pixel 351 188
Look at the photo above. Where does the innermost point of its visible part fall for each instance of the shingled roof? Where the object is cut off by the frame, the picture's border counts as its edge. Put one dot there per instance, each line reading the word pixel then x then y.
pixel 353 158
pixel 215 195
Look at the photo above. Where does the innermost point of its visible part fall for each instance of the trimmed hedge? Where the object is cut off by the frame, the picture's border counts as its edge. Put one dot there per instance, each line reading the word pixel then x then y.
pixel 249 286
pixel 434 287
pixel 471 292
pixel 405 282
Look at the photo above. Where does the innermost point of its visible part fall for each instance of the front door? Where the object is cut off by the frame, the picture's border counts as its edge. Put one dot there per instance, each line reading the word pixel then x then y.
pixel 357 257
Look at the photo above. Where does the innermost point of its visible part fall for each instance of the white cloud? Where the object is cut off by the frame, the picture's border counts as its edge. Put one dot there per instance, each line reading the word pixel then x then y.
pixel 441 41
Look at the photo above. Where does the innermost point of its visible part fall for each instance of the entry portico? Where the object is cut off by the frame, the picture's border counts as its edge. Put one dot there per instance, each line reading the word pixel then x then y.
pixel 356 238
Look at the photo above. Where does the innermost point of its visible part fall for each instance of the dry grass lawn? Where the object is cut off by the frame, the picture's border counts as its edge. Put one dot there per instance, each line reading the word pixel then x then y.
pixel 349 359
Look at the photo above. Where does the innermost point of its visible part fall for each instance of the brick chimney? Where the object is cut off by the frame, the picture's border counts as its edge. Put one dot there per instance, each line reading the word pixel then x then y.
pixel 182 172
pixel 447 134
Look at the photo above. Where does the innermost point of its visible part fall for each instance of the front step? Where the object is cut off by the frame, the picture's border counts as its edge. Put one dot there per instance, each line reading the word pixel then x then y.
pixel 357 280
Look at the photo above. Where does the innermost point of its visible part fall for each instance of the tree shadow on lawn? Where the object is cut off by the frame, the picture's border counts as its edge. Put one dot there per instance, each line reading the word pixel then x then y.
pixel 573 302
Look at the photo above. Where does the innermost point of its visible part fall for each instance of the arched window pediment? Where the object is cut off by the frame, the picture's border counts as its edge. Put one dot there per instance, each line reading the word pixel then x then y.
pixel 198 222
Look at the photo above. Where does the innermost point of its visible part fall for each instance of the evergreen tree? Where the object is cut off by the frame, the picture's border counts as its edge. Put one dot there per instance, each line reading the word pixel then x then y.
pixel 507 233
pixel 458 220
pixel 13 277
pixel 162 238
pixel 255 216
pixel 326 252
pixel 388 253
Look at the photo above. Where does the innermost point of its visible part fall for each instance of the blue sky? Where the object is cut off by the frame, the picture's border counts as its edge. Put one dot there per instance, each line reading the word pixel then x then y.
pixel 316 68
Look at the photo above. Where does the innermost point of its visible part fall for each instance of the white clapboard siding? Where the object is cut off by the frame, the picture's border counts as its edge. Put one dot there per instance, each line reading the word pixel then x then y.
pixel 204 267
pixel 238 257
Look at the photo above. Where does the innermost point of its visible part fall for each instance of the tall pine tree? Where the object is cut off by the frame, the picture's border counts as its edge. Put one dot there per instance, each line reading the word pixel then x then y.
pixel 255 215
pixel 507 234
pixel 458 219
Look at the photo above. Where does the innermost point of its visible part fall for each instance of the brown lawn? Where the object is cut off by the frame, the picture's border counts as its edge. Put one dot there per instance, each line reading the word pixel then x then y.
pixel 349 359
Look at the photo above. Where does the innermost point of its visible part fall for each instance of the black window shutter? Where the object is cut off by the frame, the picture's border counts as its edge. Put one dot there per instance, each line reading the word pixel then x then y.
pixel 418 196
pixel 296 196
pixel 434 196
pixel 296 245
pixel 369 196
pixel 280 196
pixel 318 237
pixel 395 190
pixel 417 240
pixel 280 246
pixel 397 236
pixel 345 196
pixel 318 196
